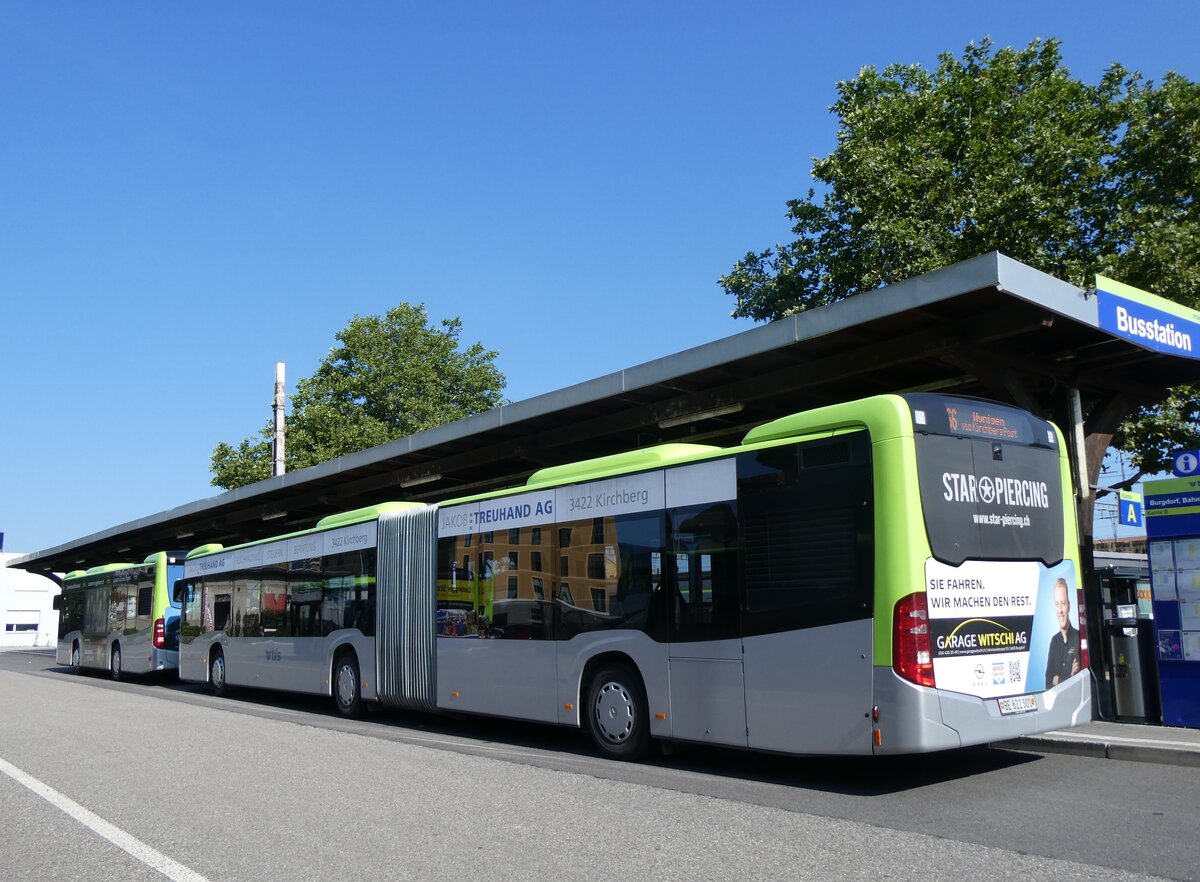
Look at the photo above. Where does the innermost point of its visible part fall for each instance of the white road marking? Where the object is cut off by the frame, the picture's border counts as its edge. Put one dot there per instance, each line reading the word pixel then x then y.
pixel 118 837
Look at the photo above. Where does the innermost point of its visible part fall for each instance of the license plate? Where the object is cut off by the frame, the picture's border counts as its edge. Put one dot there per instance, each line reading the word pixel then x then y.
pixel 1018 704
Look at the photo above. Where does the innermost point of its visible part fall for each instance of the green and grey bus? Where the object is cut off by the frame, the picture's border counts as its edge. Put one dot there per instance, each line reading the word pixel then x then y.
pixel 121 617
pixel 872 577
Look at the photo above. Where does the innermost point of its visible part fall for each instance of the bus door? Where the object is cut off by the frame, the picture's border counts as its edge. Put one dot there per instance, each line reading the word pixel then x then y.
pixel 708 701
pixel 807 530
pixel 247 663
pixel 95 624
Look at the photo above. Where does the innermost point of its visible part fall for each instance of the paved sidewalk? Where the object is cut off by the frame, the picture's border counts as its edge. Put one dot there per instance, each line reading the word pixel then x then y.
pixel 1124 741
pixel 43 650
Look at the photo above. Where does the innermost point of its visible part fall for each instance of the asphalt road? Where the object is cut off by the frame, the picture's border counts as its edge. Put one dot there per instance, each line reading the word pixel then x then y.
pixel 266 786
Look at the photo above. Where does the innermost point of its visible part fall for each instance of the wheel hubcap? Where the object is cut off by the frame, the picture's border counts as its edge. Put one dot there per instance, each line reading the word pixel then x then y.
pixel 218 671
pixel 614 712
pixel 345 685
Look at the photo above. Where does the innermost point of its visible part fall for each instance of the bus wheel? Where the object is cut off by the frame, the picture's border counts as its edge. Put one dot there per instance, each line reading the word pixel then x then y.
pixel 347 687
pixel 616 714
pixel 216 673
pixel 76 660
pixel 114 663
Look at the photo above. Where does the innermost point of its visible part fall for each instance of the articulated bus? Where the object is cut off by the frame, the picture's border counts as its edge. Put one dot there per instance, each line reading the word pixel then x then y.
pixel 121 617
pixel 882 576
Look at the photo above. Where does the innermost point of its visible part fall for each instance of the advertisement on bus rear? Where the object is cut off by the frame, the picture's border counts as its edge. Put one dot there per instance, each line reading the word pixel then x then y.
pixel 991 487
pixel 1001 628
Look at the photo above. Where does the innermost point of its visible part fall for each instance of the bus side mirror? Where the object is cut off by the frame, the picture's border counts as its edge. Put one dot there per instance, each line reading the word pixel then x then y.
pixel 57 602
pixel 179 591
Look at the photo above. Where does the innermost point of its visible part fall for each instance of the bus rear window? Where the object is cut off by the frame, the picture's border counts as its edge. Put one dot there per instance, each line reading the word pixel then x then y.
pixel 990 482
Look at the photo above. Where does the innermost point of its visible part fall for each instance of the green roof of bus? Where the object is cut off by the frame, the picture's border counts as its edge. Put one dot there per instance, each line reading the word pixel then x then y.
pixel 617 463
pixel 341 519
pixel 888 415
pixel 108 568
pixel 369 513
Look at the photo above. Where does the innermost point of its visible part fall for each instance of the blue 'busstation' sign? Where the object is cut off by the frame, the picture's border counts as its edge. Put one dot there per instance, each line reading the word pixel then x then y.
pixel 1147 320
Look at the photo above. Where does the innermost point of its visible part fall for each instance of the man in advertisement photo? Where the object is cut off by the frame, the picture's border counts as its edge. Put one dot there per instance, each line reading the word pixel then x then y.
pixel 1062 657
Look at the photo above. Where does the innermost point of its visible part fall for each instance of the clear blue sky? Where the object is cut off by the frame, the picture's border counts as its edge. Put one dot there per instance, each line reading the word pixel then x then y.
pixel 190 192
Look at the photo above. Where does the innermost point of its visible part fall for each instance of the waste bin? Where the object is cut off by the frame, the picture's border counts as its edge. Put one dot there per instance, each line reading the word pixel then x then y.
pixel 1135 674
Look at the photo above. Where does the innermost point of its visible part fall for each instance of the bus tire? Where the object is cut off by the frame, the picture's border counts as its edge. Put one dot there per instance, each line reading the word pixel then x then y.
pixel 347 685
pixel 615 713
pixel 216 673
pixel 114 662
pixel 76 659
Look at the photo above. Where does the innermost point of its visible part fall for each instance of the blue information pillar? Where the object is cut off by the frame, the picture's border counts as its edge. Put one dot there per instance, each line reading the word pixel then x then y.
pixel 1172 509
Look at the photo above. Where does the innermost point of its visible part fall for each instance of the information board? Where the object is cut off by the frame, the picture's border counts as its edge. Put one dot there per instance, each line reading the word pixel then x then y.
pixel 1172 509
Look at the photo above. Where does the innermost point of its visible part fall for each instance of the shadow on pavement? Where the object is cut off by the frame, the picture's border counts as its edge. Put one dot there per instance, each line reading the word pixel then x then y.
pixel 852 776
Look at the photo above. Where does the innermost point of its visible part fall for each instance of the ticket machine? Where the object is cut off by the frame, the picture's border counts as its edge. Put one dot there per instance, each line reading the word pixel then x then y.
pixel 1127 684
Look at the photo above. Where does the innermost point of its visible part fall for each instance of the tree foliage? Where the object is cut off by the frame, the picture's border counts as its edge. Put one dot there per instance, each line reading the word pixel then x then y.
pixel 1152 435
pixel 997 151
pixel 388 377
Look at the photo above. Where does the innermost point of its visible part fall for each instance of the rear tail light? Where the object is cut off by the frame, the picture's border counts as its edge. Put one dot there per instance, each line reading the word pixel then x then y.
pixel 911 655
pixel 160 634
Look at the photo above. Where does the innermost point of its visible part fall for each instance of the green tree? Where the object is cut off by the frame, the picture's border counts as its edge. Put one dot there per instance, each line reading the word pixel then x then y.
pixel 390 376
pixel 1000 151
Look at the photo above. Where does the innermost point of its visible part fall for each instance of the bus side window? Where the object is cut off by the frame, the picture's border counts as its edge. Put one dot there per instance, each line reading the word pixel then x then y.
pixel 185 593
pixel 807 533
pixel 222 607
pixel 704 544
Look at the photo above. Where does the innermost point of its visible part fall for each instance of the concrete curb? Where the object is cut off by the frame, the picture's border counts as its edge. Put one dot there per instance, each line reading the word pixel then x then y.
pixel 1130 750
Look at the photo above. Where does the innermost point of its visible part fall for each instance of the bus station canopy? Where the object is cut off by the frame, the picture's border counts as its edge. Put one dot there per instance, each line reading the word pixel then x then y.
pixel 990 327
